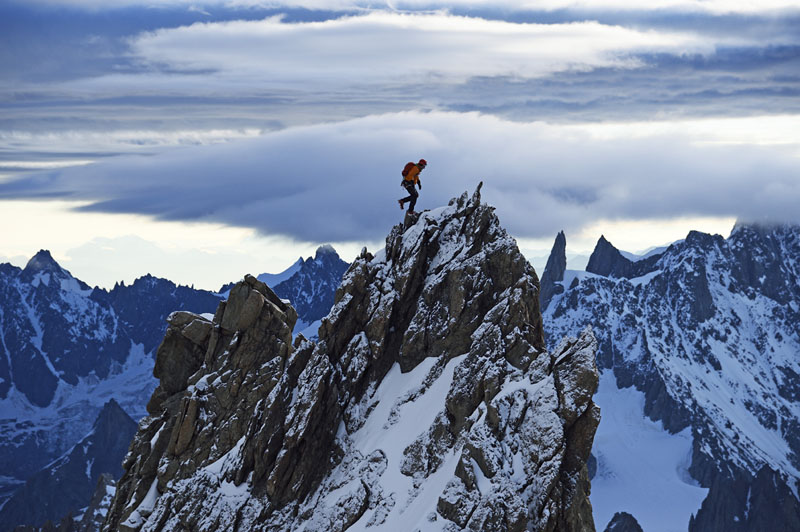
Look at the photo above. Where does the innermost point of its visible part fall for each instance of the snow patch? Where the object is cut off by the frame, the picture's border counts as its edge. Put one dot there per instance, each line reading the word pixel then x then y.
pixel 644 279
pixel 220 466
pixel 41 278
pixel 391 427
pixel 145 508
pixel 71 285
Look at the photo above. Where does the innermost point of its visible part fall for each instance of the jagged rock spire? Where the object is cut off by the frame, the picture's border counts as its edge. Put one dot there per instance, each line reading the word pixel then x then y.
pixel 554 270
pixel 606 260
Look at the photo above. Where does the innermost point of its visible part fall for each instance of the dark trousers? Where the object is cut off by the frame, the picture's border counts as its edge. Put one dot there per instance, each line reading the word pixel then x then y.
pixel 412 196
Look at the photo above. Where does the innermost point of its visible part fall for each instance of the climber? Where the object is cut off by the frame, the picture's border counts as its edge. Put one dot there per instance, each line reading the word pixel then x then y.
pixel 411 178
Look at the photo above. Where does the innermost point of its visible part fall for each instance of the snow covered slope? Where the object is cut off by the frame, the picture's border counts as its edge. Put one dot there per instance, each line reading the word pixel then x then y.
pixel 709 331
pixel 66 485
pixel 428 403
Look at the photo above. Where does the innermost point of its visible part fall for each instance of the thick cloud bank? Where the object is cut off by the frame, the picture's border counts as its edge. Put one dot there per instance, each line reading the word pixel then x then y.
pixel 340 182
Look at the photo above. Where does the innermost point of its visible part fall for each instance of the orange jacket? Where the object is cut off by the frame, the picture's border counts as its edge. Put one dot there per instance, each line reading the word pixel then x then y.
pixel 413 175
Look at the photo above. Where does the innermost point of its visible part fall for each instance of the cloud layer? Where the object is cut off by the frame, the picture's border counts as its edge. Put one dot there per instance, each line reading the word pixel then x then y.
pixel 340 182
pixel 405 49
pixel 295 117
pixel 266 67
pixel 715 6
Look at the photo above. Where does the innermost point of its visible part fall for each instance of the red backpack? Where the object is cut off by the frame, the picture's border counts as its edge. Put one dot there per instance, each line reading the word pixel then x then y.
pixel 407 168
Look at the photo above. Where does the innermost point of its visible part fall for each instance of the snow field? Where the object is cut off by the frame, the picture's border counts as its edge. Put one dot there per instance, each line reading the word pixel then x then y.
pixel 641 468
pixel 391 427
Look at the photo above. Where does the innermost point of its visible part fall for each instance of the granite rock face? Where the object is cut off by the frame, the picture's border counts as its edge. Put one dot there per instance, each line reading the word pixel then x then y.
pixel 428 402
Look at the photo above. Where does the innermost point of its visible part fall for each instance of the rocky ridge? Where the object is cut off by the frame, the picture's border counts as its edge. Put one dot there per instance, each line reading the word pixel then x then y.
pixel 428 403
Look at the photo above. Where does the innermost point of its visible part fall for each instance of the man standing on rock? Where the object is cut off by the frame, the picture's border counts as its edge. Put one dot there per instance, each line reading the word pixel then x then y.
pixel 411 178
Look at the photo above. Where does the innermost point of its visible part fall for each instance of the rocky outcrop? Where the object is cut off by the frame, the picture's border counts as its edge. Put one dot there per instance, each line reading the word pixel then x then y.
pixel 309 285
pixel 429 399
pixel 554 270
pixel 741 502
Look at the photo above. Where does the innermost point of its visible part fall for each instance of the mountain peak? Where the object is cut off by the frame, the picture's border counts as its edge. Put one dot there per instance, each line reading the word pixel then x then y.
pixel 43 262
pixel 111 415
pixel 441 331
pixel 606 260
pixel 761 226
pixel 325 250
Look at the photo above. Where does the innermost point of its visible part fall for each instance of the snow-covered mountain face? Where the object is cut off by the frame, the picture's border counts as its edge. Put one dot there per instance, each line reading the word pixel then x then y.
pixel 311 289
pixel 52 331
pixel 66 485
pixel 709 331
pixel 309 285
pixel 428 403
pixel 66 349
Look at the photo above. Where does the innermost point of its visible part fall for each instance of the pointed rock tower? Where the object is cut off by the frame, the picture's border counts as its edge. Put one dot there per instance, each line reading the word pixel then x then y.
pixel 554 270
pixel 428 403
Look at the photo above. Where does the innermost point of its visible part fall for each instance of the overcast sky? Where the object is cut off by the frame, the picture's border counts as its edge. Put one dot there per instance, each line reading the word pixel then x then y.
pixel 203 140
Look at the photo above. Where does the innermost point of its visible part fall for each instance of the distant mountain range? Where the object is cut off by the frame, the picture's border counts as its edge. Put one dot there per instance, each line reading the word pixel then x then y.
pixel 309 284
pixel 67 349
pixel 704 338
pixel 311 289
pixel 698 346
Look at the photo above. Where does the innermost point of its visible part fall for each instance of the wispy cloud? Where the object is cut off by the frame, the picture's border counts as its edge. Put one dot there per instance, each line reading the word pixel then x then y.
pixel 295 117
pixel 302 67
